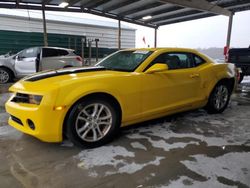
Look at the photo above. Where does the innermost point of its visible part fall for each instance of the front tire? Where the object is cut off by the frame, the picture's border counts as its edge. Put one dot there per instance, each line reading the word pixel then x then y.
pixel 92 123
pixel 5 75
pixel 219 98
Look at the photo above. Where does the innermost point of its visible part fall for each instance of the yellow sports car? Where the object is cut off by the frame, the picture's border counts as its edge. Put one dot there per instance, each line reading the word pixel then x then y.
pixel 89 105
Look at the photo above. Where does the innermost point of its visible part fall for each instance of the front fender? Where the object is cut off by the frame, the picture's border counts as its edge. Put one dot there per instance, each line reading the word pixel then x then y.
pixel 69 96
pixel 8 65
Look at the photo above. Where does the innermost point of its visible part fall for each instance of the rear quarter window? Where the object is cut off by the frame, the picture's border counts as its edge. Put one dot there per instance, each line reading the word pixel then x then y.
pixel 198 60
pixel 51 52
pixel 62 52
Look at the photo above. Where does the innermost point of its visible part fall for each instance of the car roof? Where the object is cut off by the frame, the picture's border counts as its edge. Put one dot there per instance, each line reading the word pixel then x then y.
pixel 52 47
pixel 239 49
pixel 68 49
pixel 162 49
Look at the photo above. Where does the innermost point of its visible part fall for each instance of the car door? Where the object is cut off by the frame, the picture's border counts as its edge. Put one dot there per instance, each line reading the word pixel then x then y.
pixel 176 88
pixel 53 58
pixel 25 61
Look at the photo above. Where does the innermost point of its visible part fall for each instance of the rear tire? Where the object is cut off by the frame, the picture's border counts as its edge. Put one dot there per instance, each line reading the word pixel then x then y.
pixel 92 122
pixel 219 98
pixel 5 75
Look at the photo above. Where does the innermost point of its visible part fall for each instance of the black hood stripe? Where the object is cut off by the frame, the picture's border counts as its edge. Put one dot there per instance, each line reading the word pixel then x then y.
pixel 61 72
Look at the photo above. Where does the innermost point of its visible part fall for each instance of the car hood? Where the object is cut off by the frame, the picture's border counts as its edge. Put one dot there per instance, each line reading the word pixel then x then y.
pixel 61 72
pixel 46 81
pixel 5 60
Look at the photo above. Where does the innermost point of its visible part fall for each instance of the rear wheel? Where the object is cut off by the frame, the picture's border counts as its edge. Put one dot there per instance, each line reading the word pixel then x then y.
pixel 5 75
pixel 219 98
pixel 92 123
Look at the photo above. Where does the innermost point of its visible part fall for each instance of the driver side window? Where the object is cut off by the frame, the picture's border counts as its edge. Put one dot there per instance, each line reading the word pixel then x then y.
pixel 175 60
pixel 30 52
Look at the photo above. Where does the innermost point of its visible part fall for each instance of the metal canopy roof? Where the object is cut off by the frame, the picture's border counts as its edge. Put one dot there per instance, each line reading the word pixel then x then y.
pixel 162 12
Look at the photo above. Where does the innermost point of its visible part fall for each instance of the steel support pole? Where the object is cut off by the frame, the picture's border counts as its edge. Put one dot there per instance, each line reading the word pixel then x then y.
pixel 119 34
pixel 83 43
pixel 229 30
pixel 45 36
pixel 155 45
pixel 90 52
pixel 96 49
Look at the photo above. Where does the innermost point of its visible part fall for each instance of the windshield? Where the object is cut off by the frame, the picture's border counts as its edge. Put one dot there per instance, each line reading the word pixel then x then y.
pixel 125 60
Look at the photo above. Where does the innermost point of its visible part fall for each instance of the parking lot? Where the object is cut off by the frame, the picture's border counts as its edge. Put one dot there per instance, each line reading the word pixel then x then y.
pixel 191 149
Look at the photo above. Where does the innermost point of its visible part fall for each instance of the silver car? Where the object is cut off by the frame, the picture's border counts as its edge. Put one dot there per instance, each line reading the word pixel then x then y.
pixel 36 59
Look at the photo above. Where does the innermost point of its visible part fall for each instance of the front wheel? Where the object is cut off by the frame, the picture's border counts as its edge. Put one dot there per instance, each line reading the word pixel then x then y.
pixel 218 99
pixel 5 75
pixel 92 123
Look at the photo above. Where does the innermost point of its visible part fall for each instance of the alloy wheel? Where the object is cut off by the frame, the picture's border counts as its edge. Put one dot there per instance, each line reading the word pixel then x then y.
pixel 220 97
pixel 4 76
pixel 93 122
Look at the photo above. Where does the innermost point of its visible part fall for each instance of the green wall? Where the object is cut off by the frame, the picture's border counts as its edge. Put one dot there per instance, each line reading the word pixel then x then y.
pixel 15 41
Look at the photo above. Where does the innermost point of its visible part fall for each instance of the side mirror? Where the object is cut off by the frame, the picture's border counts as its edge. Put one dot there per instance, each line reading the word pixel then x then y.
pixel 158 67
pixel 18 58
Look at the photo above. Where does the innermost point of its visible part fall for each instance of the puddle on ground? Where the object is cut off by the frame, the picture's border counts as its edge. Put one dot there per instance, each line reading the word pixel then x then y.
pixel 9 133
pixel 165 153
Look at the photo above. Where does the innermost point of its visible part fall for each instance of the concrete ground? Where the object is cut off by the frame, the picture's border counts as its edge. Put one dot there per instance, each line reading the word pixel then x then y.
pixel 191 149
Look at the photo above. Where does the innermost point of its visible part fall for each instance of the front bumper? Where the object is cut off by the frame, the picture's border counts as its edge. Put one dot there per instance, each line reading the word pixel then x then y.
pixel 48 122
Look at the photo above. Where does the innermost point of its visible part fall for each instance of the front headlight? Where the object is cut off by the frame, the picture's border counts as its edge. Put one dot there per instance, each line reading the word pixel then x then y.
pixel 35 99
pixel 27 98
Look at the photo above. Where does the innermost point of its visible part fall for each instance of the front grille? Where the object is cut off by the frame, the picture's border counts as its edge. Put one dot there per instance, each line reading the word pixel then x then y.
pixel 21 98
pixel 17 120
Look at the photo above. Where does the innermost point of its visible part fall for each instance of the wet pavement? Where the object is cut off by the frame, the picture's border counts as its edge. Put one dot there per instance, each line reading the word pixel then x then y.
pixel 191 149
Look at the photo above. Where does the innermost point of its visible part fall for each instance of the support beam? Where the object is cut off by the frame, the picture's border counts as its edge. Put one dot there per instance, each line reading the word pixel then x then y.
pixel 174 15
pixel 137 9
pixel 96 49
pixel 161 11
pixel 155 45
pixel 200 5
pixel 82 45
pixel 73 2
pixel 46 2
pixel 17 3
pixel 229 30
pixel 45 36
pixel 90 51
pixel 119 5
pixel 185 18
pixel 119 34
pixel 93 3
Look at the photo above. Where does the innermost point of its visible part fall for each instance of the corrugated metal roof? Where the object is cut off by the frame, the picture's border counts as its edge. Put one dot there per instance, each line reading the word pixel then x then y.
pixel 161 12
pixel 63 19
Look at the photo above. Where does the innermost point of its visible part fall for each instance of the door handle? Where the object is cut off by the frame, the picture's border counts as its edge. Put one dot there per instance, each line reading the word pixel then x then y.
pixel 194 75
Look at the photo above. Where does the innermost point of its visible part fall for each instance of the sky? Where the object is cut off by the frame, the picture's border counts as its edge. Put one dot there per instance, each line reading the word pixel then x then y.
pixel 201 33
pixel 204 33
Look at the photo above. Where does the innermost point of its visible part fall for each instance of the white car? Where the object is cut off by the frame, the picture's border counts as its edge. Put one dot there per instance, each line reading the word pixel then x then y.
pixel 36 59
